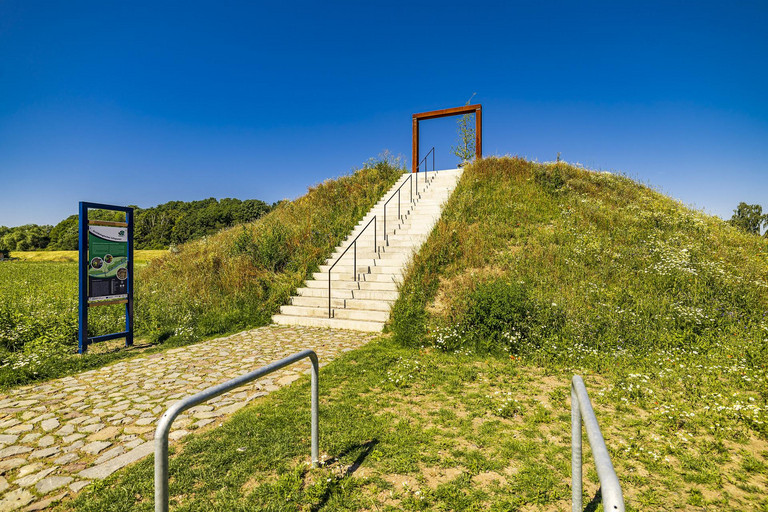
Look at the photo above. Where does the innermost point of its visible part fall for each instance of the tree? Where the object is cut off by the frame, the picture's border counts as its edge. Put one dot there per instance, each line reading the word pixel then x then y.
pixel 466 148
pixel 749 218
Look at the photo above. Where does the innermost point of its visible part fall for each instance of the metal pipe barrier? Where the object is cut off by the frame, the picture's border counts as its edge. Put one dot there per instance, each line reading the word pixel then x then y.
pixel 610 488
pixel 164 425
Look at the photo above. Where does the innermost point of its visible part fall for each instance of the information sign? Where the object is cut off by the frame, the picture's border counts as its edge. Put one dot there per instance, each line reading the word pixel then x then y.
pixel 107 262
pixel 106 270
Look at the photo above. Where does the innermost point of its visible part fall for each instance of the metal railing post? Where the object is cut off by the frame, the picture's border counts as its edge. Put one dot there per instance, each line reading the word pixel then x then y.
pixel 166 420
pixel 610 488
pixel 576 479
pixel 386 236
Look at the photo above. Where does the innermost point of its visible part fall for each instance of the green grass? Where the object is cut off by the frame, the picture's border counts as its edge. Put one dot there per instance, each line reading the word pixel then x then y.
pixel 548 258
pixel 534 272
pixel 406 429
pixel 233 280
pixel 141 257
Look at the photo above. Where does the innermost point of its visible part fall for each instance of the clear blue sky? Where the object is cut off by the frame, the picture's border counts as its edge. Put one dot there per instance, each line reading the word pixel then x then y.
pixel 145 102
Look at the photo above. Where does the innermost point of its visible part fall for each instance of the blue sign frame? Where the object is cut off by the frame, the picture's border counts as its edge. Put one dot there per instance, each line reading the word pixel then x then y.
pixel 83 339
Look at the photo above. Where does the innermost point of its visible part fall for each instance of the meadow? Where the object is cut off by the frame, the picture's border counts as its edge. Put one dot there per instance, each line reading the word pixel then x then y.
pixel 141 257
pixel 222 283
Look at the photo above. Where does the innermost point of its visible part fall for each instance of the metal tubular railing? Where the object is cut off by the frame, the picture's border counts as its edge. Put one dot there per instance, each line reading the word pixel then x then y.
pixel 426 169
pixel 166 420
pixel 407 180
pixel 610 488
pixel 354 264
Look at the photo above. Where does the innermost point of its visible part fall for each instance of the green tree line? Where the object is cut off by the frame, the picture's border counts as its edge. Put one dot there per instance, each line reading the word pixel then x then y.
pixel 157 227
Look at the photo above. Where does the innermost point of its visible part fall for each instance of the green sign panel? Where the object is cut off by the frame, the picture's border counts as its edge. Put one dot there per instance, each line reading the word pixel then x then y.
pixel 107 262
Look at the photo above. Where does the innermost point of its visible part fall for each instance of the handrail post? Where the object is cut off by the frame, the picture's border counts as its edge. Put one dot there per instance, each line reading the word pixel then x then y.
pixel 329 292
pixel 354 261
pixel 167 419
pixel 576 479
pixel 610 488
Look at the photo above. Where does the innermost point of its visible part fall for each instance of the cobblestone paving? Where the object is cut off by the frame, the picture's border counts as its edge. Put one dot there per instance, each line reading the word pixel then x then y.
pixel 57 437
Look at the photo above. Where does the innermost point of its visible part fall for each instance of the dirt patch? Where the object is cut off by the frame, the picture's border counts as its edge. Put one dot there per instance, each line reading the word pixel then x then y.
pixel 489 478
pixel 400 482
pixel 437 476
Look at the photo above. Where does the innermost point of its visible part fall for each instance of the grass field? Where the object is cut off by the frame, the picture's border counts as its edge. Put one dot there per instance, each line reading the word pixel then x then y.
pixel 141 257
pixel 407 429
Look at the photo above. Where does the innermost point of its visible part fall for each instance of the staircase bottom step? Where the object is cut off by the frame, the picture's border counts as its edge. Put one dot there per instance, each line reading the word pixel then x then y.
pixel 335 323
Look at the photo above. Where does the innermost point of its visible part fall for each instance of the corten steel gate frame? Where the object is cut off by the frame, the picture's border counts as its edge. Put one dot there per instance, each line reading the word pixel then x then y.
pixel 446 112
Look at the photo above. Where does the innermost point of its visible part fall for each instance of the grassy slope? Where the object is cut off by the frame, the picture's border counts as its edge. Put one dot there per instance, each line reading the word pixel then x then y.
pixel 235 279
pixel 242 275
pixel 623 266
pixel 660 308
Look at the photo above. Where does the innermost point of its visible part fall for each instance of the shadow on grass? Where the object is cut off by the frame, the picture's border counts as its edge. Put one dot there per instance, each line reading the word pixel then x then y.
pixel 365 449
pixel 597 498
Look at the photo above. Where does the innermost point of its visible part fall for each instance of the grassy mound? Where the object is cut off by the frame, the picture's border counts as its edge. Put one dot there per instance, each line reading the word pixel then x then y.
pixel 241 276
pixel 571 264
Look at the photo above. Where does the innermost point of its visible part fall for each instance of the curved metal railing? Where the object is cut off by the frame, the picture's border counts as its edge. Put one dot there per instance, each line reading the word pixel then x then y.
pixel 166 420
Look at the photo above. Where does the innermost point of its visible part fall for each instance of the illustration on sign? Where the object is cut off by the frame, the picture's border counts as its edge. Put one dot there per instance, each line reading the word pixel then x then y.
pixel 107 262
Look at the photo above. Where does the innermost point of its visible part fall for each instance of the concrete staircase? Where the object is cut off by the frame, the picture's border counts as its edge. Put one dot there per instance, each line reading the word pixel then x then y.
pixel 361 298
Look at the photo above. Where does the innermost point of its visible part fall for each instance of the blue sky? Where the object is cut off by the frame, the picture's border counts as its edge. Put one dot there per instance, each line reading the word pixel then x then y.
pixel 147 102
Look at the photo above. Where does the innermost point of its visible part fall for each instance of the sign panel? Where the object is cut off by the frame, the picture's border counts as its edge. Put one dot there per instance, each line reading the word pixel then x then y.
pixel 107 262
pixel 106 270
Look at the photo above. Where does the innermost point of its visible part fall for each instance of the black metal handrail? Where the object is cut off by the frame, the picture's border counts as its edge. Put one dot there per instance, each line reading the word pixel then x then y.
pixel 426 169
pixel 354 265
pixel 408 179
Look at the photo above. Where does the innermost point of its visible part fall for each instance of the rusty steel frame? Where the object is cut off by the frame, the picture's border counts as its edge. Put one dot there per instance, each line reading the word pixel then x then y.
pixel 446 112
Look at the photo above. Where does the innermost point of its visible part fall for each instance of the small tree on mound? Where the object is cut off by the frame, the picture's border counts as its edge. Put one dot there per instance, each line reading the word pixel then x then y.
pixel 466 147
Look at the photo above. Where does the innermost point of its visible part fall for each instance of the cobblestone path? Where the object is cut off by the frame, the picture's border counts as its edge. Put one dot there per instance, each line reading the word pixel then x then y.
pixel 58 436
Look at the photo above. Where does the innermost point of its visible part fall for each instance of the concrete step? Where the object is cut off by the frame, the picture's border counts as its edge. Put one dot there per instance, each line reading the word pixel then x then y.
pixel 338 313
pixel 348 293
pixel 361 276
pixel 387 256
pixel 343 268
pixel 333 323
pixel 352 285
pixel 322 302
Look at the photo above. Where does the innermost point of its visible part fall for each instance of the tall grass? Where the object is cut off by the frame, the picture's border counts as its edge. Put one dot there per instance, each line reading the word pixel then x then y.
pixel 242 275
